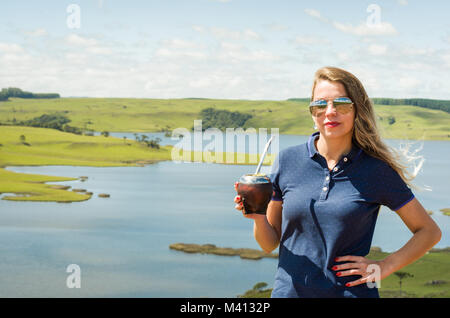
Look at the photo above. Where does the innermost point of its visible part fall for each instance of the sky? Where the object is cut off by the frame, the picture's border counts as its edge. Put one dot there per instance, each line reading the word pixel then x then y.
pixel 230 49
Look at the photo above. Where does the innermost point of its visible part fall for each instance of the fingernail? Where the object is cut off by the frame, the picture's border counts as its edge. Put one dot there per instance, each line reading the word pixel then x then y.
pixel 334 268
pixel 347 285
pixel 339 274
pixel 336 259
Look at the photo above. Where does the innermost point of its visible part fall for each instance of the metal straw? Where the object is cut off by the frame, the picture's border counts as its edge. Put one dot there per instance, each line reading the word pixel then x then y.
pixel 263 155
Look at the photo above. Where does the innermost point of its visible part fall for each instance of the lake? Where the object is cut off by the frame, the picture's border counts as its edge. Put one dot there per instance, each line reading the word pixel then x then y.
pixel 121 243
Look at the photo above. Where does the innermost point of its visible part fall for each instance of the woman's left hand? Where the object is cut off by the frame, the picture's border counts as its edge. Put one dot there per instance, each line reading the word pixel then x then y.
pixel 369 270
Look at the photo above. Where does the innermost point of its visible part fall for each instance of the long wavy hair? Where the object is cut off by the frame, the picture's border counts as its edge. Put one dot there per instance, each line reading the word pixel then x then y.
pixel 365 131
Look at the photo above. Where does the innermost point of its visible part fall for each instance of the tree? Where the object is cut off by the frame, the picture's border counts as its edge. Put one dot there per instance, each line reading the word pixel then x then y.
pixel 222 119
pixel 402 275
pixel 17 92
pixel 105 133
pixel 22 138
pixel 144 138
pixel 4 95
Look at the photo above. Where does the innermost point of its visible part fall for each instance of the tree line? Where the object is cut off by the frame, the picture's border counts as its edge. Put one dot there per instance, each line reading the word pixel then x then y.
pixel 54 121
pixel 6 93
pixel 222 119
pixel 60 122
pixel 421 102
pixel 438 104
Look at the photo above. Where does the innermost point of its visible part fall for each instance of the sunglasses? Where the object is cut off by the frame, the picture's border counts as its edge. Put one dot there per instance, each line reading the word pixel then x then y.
pixel 343 106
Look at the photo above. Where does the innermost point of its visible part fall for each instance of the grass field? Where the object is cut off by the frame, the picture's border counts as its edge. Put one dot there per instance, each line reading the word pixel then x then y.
pixel 431 278
pixel 145 115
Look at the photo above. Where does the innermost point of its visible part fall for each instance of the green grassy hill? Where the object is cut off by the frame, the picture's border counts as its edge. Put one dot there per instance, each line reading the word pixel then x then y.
pixel 430 278
pixel 145 115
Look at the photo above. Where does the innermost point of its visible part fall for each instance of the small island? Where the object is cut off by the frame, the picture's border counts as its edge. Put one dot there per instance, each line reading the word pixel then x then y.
pixel 245 253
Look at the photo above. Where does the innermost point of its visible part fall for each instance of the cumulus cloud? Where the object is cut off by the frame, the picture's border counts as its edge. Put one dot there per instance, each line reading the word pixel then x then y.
pixel 75 39
pixel 10 48
pixel 90 45
pixel 377 49
pixel 221 33
pixel 362 29
pixel 315 14
pixel 37 32
pixel 310 40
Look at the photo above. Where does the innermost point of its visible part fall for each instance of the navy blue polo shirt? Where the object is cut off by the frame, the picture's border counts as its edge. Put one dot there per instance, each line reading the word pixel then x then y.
pixel 327 214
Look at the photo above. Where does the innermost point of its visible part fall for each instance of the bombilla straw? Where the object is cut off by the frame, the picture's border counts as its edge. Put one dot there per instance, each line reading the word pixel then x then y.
pixel 263 155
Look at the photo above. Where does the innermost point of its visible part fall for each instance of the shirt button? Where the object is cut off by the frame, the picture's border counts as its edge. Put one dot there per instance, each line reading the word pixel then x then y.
pixel 335 169
pixel 324 188
pixel 345 159
pixel 327 178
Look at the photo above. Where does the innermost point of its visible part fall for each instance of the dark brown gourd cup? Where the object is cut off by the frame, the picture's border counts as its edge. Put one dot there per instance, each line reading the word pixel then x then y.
pixel 256 192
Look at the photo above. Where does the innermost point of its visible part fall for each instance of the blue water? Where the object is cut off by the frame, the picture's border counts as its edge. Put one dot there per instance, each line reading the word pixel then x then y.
pixel 121 243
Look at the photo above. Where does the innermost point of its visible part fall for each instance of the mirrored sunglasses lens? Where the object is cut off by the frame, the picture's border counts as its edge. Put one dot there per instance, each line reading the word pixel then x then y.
pixel 317 110
pixel 345 100
pixel 343 108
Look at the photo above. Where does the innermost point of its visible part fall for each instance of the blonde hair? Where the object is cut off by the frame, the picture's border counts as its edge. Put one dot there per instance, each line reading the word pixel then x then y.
pixel 365 130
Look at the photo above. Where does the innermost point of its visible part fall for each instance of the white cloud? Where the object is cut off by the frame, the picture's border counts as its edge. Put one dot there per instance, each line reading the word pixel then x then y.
pixel 446 38
pixel 417 51
pixel 409 83
pixel 75 39
pixel 90 45
pixel 98 50
pixel 180 49
pixel 199 28
pixel 181 44
pixel 236 53
pixel 310 40
pixel 363 29
pixel 315 14
pixel 228 34
pixel 178 54
pixel 276 27
pixel 37 32
pixel 377 49
pixel 382 28
pixel 10 48
pixel 446 59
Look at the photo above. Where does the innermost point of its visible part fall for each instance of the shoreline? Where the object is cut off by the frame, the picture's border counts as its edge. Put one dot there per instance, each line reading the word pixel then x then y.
pixel 257 254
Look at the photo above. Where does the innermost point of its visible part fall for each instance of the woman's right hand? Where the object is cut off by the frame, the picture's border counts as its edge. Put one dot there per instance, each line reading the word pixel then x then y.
pixel 240 206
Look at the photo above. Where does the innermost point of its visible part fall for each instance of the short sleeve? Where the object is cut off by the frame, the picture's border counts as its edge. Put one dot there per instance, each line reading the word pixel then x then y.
pixel 275 179
pixel 393 191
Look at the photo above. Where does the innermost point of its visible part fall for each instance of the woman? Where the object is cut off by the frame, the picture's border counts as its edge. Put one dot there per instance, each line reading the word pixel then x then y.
pixel 326 198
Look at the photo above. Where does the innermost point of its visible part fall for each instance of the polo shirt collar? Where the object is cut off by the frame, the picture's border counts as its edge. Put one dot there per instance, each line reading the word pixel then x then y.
pixel 354 153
